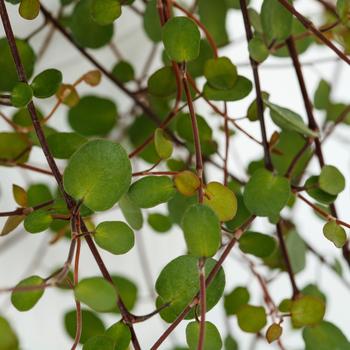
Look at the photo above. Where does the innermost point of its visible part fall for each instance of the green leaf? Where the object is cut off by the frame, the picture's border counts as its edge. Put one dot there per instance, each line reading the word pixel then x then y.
pixel 97 293
pixel 13 146
pixel 86 32
pixel 287 119
pixel 331 180
pixel 24 300
pixel 164 146
pixel 266 194
pixel 11 223
pixel 162 83
pixel 202 231
pixel 235 300
pixel 258 50
pixel 38 194
pixel 276 20
pixel 8 76
pixel 196 67
pixel 241 216
pixel 335 233
pixel 325 336
pixel 297 250
pixel 151 191
pixel 178 283
pixel 313 190
pixel 213 16
pixel 93 116
pixel 187 182
pixel 105 12
pixel 307 311
pixel 8 338
pixel 230 343
pixel 252 112
pixel 114 236
pixel 99 342
pixel 257 244
pixel 37 221
pixel 92 325
pixel 181 39
pixel 127 290
pixel 29 9
pixel 63 144
pixel 151 22
pixel 46 83
pixel 220 73
pixel 120 334
pixel 159 222
pixel 251 319
pixel 221 199
pixel 107 174
pixel 322 95
pixel 273 333
pixel 178 205
pixel 240 89
pixel 212 338
pixel 21 95
pixel 123 71
pixel 131 212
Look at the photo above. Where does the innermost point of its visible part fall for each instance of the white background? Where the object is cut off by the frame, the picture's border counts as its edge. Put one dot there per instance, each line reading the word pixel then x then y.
pixel 22 254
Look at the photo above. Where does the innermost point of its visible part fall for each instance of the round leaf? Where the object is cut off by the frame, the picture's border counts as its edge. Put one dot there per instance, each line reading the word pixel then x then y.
pixel 114 236
pixel 131 212
pixel 187 182
pixel 307 311
pixel 234 300
pixel 151 191
pixel 24 300
pixel 159 222
pixel 335 233
pixel 123 71
pixel 105 12
pixel 266 194
pixel 258 50
pixel 46 83
pixel 64 144
pixel 162 83
pixel 181 39
pixel 202 231
pixel 21 95
pixel 29 9
pixel 99 173
pixel 37 221
pixel 331 180
pixel 99 342
pixel 164 146
pixel 97 293
pixel 251 319
pixel 257 244
pixel 273 333
pixel 93 116
pixel 212 338
pixel 120 334
pixel 221 73
pixel 221 199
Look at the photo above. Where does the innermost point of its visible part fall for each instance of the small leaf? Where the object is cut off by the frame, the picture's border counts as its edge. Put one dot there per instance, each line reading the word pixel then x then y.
pixel 335 233
pixel 240 89
pixel 212 338
pixel 313 190
pixel 201 229
pixel 331 180
pixel 187 182
pixel 251 319
pixel 105 12
pixel 266 194
pixel 68 95
pixel 220 73
pixel 114 236
pixel 120 334
pixel 258 50
pixel 92 325
pixel 307 311
pixel 12 145
pixel 8 338
pixel 181 39
pixel 151 22
pixel 131 212
pixel 150 191
pixel 287 119
pixel 63 144
pixel 273 333
pixel 164 146
pixel 93 77
pixel 29 9
pixel 24 300
pixel 97 293
pixel 93 116
pixel 107 174
pixel 11 224
pixel 235 300
pixel 221 199
pixel 21 95
pixel 159 222
pixel 46 83
pixel 162 83
pixel 123 71
pixel 37 221
pixel 322 95
pixel 252 112
pixel 99 342
pixel 20 195
pixel 257 244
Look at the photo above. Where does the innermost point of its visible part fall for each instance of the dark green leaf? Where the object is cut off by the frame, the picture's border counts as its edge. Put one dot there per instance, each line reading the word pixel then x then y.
pixel 46 83
pixel 37 221
pixel 159 222
pixel 235 300
pixel 64 144
pixel 21 95
pixel 220 73
pixel 257 244
pixel 105 12
pixel 212 338
pixel 99 342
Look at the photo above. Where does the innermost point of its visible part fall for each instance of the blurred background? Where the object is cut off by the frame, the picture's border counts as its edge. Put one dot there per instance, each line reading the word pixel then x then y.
pixel 23 254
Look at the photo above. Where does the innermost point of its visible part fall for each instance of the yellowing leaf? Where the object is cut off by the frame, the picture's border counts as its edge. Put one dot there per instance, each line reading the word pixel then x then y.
pixel 187 183
pixel 164 146
pixel 273 332
pixel 20 195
